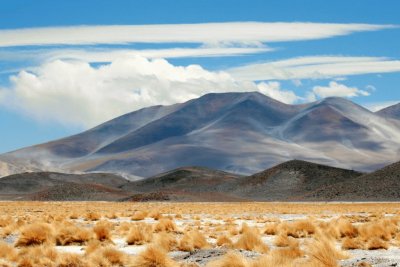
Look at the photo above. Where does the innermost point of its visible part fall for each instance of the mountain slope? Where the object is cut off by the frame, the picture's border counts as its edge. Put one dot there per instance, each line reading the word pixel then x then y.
pixel 188 179
pixel 381 185
pixel 290 180
pixel 60 186
pixel 392 112
pixel 235 132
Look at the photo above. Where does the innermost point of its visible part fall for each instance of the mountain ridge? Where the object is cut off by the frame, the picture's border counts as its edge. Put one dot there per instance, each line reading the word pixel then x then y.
pixel 235 132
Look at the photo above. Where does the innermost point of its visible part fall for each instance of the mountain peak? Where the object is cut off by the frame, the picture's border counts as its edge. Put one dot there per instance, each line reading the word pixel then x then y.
pixel 390 112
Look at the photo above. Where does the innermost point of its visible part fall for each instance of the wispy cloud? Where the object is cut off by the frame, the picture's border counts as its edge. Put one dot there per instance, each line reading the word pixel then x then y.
pixel 107 55
pixel 239 32
pixel 315 67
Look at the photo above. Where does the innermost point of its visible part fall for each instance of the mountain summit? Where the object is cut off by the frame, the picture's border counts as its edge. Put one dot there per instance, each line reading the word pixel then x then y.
pixel 237 132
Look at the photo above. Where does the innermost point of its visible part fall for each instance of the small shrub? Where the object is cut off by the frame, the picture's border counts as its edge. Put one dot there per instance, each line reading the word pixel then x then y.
pixel 35 234
pixel 153 256
pixel 139 234
pixel 230 259
pixel 165 225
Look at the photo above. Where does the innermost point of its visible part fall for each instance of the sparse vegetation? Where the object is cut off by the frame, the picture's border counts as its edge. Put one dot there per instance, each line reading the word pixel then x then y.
pixel 108 231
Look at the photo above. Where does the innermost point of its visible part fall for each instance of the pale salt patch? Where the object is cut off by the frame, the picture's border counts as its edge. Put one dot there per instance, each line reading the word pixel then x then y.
pixel 71 249
pixel 133 250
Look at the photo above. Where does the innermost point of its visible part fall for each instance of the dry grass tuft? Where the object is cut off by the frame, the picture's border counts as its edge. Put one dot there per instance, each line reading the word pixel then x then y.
pixel 139 215
pixel 322 252
pixel 231 259
pixel 165 225
pixel 224 241
pixel 285 241
pixel 68 235
pixel 102 232
pixel 271 228
pixel 70 260
pixel 35 234
pixel 139 234
pixel 7 252
pixel 193 240
pixel 250 240
pixel 167 241
pixel 352 243
pixel 346 229
pixel 153 256
pixel 92 216
pixel 376 243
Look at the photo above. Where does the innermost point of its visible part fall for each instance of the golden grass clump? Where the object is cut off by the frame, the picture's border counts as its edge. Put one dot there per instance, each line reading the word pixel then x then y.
pixel 165 225
pixel 153 256
pixel 139 234
pixel 92 216
pixel 250 240
pixel 322 252
pixel 282 257
pixel 376 243
pixel 102 231
pixel 35 234
pixel 370 230
pixel 156 215
pixel 271 228
pixel 139 215
pixel 230 259
pixel 167 241
pixel 6 221
pixel 298 229
pixel 285 241
pixel 7 252
pixel 224 241
pixel 41 255
pixel 352 243
pixel 192 240
pixel 346 229
pixel 71 234
pixel 71 260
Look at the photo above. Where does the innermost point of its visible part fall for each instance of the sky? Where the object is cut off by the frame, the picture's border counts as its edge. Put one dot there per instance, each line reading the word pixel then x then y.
pixel 67 66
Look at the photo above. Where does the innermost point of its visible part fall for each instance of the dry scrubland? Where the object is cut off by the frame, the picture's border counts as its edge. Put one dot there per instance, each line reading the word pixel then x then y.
pixel 196 234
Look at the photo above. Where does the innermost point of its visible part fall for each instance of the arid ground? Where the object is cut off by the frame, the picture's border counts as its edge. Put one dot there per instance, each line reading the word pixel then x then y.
pixel 199 234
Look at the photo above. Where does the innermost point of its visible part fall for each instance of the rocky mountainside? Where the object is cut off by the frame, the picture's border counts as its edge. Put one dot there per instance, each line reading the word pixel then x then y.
pixel 391 112
pixel 240 133
pixel 381 185
pixel 294 180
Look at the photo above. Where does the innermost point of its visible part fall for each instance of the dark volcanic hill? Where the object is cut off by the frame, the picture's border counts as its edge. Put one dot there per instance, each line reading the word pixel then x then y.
pixel 381 185
pixel 295 180
pixel 235 132
pixel 290 180
pixel 60 186
pixel 188 179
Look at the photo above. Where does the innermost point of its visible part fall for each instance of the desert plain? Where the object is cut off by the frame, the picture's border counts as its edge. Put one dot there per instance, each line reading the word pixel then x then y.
pixel 159 234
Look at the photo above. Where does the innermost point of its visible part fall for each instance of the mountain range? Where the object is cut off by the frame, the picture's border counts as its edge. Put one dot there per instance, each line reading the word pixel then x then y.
pixel 294 180
pixel 240 133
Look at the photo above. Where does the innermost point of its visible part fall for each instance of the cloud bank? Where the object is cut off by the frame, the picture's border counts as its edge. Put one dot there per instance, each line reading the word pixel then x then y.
pixel 209 33
pixel 76 93
pixel 337 89
pixel 314 67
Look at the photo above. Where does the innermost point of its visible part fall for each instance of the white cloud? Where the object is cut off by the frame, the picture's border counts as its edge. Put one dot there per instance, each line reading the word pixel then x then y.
pixel 95 55
pixel 273 89
pixel 239 32
pixel 337 89
pixel 315 67
pixel 75 93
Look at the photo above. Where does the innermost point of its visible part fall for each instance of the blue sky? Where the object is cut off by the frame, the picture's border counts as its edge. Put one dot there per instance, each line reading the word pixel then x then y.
pixel 61 80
